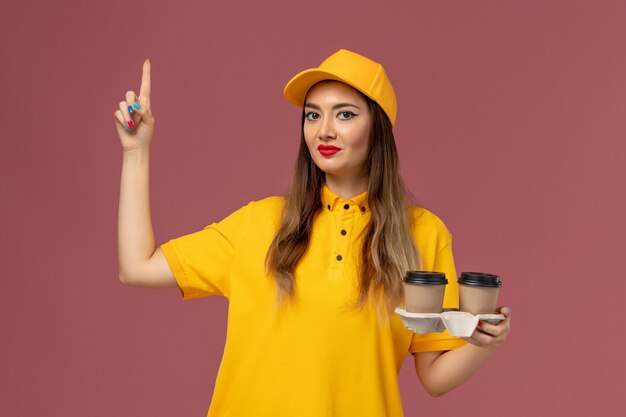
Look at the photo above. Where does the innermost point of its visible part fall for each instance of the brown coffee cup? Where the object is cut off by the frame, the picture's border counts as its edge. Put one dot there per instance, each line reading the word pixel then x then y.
pixel 478 292
pixel 423 291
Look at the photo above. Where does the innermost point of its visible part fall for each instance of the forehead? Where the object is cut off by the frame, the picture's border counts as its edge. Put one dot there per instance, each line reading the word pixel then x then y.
pixel 333 91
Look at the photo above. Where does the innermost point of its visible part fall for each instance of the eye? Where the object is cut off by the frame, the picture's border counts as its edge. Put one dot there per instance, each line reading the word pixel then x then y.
pixel 346 115
pixel 312 115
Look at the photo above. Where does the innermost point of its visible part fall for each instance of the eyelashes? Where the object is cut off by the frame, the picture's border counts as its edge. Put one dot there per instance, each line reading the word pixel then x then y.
pixel 311 116
pixel 344 115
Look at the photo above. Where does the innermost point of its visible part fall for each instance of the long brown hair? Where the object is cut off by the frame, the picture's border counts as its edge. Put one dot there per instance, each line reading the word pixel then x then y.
pixel 388 250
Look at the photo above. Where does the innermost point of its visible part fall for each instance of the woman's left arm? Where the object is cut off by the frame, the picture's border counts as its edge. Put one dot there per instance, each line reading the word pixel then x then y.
pixel 440 372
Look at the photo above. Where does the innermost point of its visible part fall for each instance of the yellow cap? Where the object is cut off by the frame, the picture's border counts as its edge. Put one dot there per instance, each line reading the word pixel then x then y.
pixel 362 73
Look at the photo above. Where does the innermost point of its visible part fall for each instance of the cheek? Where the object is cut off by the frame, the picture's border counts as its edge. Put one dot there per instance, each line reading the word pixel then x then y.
pixel 361 139
pixel 311 143
pixel 309 135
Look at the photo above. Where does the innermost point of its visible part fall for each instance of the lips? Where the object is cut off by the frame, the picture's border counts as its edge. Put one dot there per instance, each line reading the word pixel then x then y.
pixel 328 150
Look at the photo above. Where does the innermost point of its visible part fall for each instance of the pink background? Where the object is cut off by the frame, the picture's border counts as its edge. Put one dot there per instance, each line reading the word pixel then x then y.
pixel 510 128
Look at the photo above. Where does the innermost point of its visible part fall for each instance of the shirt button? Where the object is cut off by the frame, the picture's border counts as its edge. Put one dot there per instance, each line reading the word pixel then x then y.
pixel 343 232
pixel 339 257
pixel 346 206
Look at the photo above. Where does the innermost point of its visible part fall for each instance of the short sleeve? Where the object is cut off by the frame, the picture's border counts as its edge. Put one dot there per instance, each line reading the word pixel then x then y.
pixel 443 262
pixel 201 261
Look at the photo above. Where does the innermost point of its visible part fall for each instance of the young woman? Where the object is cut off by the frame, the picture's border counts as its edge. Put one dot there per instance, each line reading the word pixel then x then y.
pixel 312 278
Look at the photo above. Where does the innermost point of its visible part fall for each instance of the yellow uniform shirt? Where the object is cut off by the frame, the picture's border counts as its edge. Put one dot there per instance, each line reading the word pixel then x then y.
pixel 316 357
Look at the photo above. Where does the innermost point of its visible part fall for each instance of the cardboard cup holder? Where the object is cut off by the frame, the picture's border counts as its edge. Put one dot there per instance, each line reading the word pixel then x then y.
pixel 458 323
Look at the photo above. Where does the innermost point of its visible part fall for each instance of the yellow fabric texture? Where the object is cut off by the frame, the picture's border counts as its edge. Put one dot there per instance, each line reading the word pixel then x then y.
pixel 316 357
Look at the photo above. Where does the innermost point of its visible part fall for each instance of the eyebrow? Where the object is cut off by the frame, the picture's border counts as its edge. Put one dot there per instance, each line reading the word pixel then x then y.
pixel 335 107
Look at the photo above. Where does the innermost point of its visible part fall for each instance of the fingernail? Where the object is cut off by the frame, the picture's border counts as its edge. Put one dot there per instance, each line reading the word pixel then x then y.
pixel 128 129
pixel 508 309
pixel 480 323
pixel 130 109
pixel 136 105
pixel 131 124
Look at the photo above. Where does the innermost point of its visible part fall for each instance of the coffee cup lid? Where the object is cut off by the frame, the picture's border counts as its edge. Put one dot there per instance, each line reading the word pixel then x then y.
pixel 480 279
pixel 425 277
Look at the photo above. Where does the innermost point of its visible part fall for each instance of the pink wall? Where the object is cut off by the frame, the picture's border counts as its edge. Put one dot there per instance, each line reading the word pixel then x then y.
pixel 510 127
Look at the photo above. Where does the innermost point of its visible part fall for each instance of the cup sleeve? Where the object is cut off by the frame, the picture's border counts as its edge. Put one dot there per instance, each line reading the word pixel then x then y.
pixel 201 261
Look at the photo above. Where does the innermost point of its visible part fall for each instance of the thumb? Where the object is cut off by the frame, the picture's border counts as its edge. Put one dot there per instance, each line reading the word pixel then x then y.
pixel 505 310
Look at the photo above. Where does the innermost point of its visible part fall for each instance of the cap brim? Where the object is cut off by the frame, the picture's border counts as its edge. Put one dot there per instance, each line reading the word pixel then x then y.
pixel 297 88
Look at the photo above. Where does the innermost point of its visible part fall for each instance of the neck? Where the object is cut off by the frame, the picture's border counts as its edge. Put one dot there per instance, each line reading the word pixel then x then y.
pixel 346 187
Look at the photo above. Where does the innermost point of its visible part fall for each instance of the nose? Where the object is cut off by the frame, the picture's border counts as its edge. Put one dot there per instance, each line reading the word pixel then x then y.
pixel 327 129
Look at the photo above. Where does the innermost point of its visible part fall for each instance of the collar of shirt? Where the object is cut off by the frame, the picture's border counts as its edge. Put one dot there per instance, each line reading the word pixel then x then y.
pixel 332 201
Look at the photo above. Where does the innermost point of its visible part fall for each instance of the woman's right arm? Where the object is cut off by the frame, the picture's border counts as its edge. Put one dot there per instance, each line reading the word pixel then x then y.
pixel 141 263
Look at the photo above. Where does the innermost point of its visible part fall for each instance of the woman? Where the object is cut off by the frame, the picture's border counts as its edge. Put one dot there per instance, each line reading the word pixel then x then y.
pixel 312 278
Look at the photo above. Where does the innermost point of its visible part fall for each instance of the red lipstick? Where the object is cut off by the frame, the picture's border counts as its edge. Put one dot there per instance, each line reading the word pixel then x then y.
pixel 328 150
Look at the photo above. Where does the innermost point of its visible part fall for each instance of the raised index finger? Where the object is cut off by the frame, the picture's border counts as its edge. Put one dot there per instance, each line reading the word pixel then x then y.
pixel 144 91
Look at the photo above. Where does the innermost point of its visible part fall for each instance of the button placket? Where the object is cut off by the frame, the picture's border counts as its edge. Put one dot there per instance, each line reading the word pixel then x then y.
pixel 345 224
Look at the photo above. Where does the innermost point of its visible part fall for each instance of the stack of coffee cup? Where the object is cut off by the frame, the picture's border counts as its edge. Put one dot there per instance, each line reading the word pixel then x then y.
pixel 424 293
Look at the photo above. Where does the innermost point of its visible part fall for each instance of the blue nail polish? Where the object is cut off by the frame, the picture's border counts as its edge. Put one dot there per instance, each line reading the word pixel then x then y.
pixel 128 129
pixel 136 105
pixel 130 109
